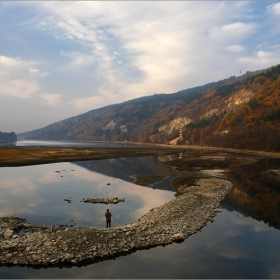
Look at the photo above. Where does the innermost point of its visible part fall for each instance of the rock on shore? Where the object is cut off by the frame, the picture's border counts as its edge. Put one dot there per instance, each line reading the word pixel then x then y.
pixel 172 222
pixel 106 200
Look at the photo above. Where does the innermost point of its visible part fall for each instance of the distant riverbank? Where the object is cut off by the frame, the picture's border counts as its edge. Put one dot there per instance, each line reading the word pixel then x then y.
pixel 22 156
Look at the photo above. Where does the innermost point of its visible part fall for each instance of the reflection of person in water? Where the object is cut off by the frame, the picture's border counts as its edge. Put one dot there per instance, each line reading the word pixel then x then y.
pixel 108 218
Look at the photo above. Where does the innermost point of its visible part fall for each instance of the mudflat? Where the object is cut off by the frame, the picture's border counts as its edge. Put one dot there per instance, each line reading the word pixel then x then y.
pixel 21 156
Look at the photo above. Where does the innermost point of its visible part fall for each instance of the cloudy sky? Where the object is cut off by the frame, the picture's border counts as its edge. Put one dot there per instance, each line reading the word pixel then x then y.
pixel 61 59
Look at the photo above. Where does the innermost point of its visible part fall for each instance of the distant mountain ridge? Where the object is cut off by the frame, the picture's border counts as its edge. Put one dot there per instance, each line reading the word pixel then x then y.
pixel 238 112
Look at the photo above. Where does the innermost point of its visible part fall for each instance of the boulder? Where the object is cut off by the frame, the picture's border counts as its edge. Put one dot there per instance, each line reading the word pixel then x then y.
pixel 178 237
pixel 47 243
pixel 12 225
pixel 36 257
pixel 9 255
pixel 8 233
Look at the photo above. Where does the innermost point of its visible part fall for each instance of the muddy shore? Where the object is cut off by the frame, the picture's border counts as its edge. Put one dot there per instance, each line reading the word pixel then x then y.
pixel 22 156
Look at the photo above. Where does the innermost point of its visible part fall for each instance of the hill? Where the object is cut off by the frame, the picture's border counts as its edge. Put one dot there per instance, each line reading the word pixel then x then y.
pixel 238 112
pixel 7 137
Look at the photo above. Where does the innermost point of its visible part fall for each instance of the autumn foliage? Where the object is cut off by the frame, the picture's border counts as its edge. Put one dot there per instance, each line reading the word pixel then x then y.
pixel 238 112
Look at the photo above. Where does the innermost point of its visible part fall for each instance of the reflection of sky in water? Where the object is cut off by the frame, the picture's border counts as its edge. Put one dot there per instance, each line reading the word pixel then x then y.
pixel 42 143
pixel 231 247
pixel 37 193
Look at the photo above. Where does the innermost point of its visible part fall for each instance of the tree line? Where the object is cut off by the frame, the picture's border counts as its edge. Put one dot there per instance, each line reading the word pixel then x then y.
pixel 6 137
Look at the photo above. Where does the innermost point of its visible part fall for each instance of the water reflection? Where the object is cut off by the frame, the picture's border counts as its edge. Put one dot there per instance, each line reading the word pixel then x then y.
pixel 256 184
pixel 128 169
pixel 241 243
pixel 37 193
pixel 42 143
pixel 256 191
pixel 228 248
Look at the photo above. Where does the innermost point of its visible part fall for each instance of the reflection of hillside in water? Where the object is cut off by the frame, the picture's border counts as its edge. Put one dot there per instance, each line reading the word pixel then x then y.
pixel 256 184
pixel 145 169
pixel 256 191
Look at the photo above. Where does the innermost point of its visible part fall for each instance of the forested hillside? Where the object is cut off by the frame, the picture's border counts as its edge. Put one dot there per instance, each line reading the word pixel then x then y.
pixel 239 112
pixel 241 115
pixel 6 137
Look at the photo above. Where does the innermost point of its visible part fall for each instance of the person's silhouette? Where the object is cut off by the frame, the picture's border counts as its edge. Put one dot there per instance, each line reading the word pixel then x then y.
pixel 108 216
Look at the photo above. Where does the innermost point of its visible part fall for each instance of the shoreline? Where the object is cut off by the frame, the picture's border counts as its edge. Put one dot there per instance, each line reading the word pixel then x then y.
pixel 24 156
pixel 171 222
pixel 191 209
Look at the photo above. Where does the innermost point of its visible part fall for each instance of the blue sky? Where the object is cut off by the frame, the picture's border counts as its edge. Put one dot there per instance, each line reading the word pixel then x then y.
pixel 60 59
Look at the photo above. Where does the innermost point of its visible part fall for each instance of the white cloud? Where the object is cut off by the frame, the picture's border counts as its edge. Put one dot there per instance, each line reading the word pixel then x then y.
pixel 257 226
pixel 53 100
pixel 233 31
pixel 260 60
pixel 235 48
pixel 91 102
pixel 275 9
pixel 17 195
pixel 160 40
pixel 19 77
pixel 100 53
pixel 79 59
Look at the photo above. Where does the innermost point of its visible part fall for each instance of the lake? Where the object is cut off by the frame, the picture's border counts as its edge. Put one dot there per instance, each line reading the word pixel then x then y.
pixel 41 143
pixel 242 242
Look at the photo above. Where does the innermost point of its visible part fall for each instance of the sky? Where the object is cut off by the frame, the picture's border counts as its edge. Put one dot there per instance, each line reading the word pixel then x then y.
pixel 60 59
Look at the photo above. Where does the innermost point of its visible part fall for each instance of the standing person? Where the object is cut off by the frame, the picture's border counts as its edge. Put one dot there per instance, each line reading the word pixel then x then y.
pixel 108 218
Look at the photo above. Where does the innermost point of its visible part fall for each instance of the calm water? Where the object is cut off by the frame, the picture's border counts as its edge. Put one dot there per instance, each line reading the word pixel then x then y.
pixel 30 143
pixel 242 242
pixel 37 193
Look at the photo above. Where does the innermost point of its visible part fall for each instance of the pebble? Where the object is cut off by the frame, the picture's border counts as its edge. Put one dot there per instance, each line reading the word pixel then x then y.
pixel 174 221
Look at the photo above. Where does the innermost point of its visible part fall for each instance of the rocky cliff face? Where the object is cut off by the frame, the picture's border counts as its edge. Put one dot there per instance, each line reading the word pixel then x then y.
pixel 174 125
pixel 229 104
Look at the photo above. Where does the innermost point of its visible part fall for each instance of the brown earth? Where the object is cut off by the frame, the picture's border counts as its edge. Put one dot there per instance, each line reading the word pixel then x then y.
pixel 20 156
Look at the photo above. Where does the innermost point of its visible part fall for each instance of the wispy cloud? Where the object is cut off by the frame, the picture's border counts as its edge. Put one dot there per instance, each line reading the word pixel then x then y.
pixel 53 100
pixel 98 53
pixel 148 37
pixel 235 48
pixel 233 32
pixel 79 59
pixel 84 104
pixel 275 9
pixel 19 77
pixel 260 60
